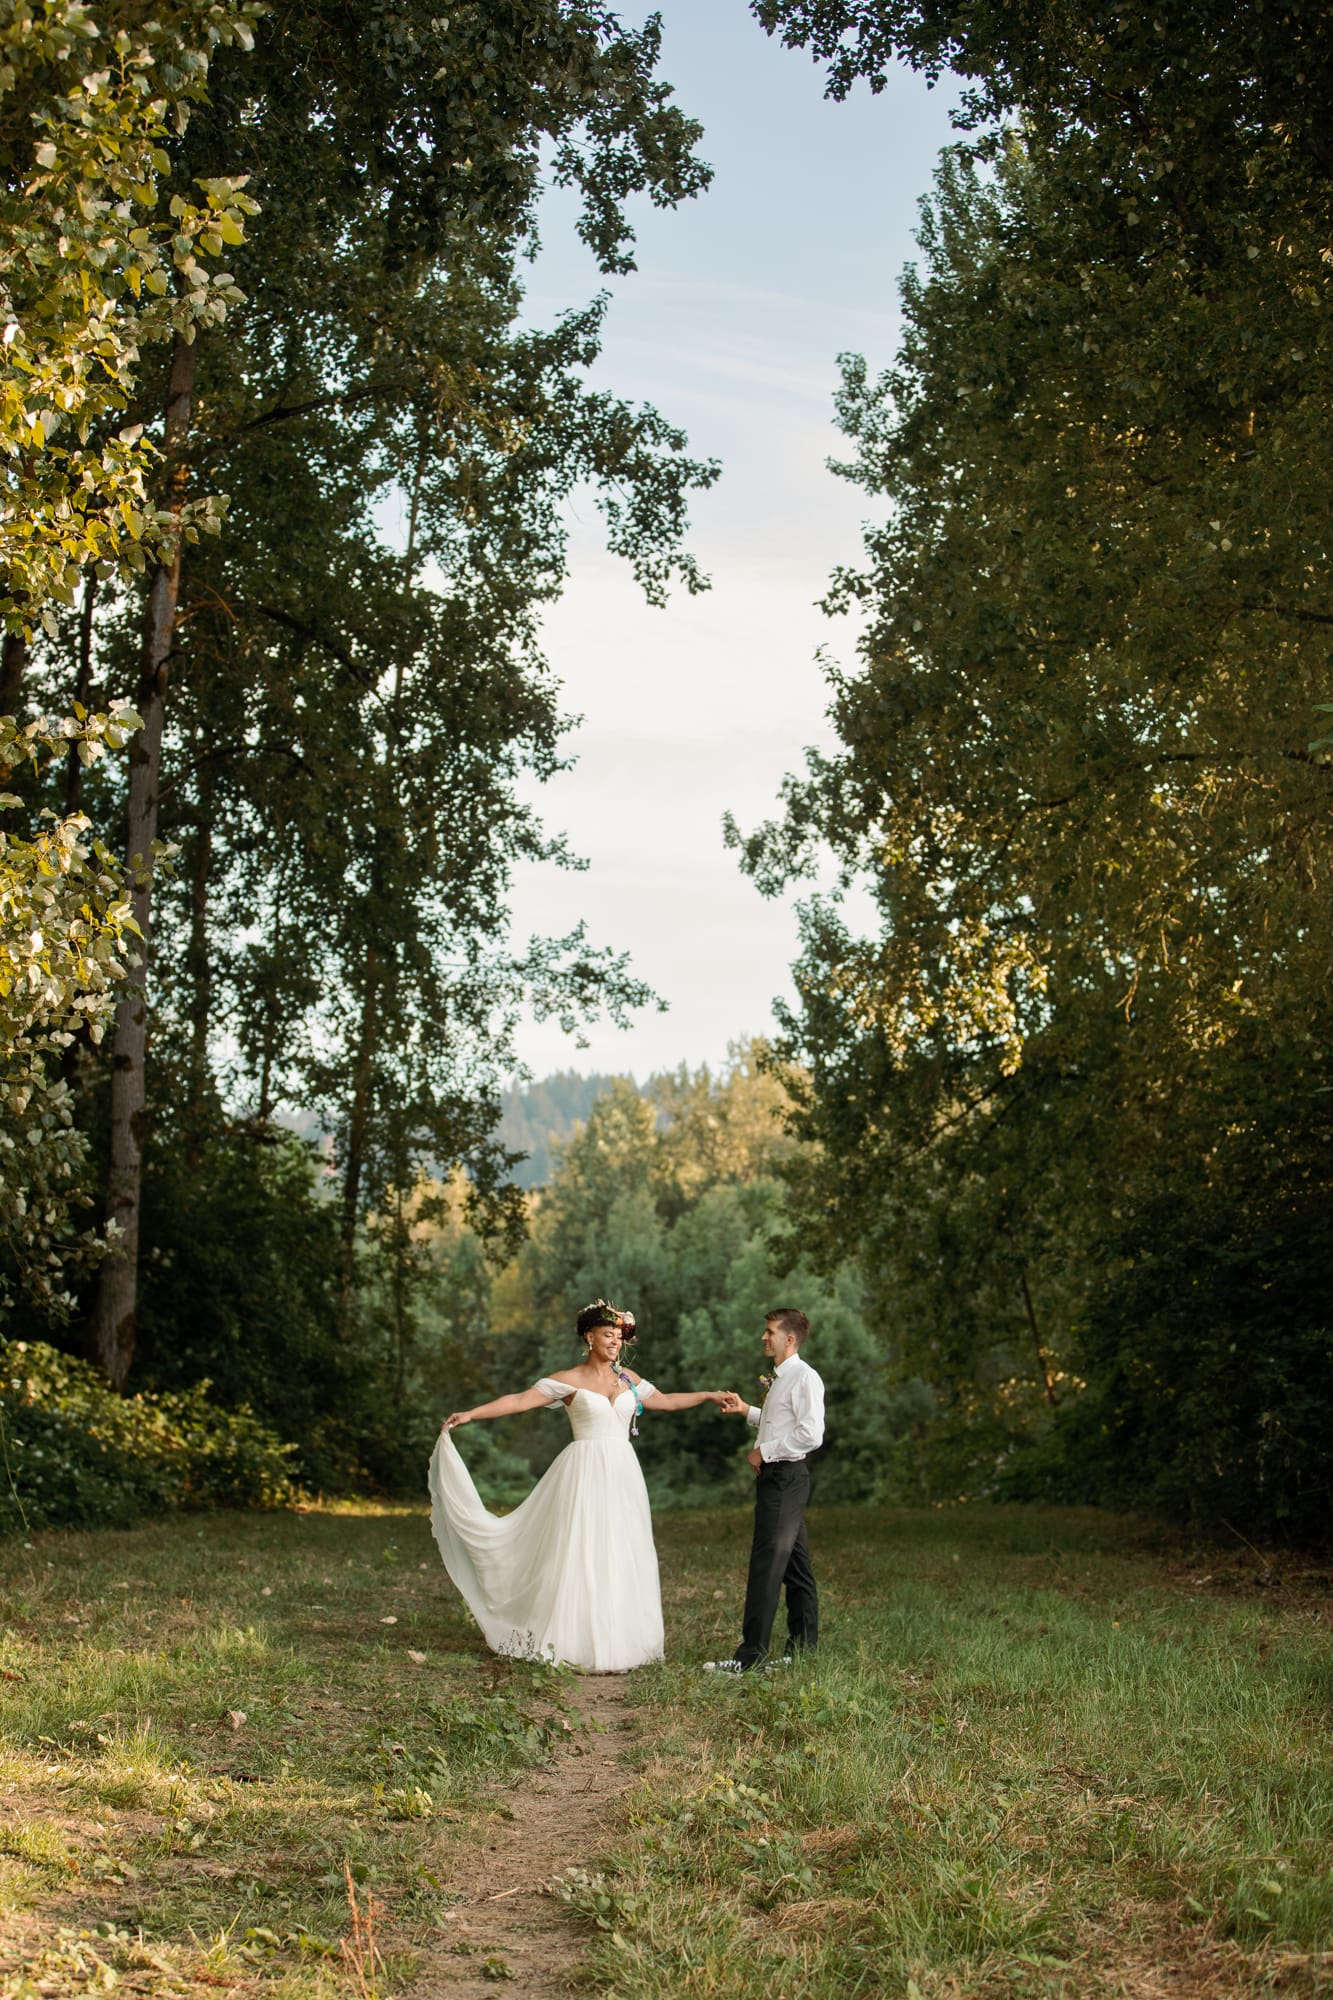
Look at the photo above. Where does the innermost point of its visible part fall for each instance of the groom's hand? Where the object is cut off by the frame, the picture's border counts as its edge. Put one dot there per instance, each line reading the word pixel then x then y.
pixel 753 1458
pixel 734 1405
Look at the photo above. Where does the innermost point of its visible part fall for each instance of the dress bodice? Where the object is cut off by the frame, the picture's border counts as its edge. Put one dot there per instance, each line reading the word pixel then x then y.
pixel 592 1415
pixel 595 1416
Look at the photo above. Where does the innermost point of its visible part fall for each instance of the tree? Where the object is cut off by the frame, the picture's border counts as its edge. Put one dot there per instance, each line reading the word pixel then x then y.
pixel 1076 772
pixel 723 1129
pixel 66 931
pixel 345 719
pixel 537 1116
pixel 666 1202
pixel 89 273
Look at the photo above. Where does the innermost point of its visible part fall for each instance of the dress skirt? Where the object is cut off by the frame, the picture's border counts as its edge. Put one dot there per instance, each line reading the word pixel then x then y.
pixel 571 1575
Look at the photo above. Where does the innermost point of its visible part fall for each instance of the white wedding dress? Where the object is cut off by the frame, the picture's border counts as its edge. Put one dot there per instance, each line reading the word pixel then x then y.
pixel 571 1574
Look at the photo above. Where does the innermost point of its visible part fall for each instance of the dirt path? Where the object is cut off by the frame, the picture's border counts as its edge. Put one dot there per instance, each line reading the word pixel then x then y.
pixel 504 1925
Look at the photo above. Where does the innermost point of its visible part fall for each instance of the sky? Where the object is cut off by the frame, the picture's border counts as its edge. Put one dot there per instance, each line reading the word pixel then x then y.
pixel 731 326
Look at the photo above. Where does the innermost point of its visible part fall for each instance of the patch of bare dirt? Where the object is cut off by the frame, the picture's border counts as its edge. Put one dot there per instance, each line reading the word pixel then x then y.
pixel 501 1924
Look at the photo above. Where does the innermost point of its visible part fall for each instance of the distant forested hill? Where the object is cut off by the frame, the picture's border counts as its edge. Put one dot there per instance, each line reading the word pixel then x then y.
pixel 537 1119
pixel 534 1120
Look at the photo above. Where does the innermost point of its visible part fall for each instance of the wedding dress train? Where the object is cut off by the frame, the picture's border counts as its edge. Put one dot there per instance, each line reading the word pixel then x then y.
pixel 571 1574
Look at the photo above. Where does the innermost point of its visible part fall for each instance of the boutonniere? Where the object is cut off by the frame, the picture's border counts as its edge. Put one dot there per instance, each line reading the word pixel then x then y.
pixel 765 1383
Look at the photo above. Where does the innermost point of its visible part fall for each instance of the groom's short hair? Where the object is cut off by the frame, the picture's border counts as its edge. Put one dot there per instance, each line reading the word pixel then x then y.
pixel 788 1320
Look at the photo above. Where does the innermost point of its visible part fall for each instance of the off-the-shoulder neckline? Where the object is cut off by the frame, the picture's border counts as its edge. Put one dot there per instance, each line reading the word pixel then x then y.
pixel 581 1389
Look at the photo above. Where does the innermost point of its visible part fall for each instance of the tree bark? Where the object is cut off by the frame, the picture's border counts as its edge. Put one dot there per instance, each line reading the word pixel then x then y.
pixel 271 1015
pixel 400 1247
pixel 78 1054
pixel 83 687
pixel 358 1125
pixel 113 1327
pixel 1043 1364
pixel 13 663
pixel 199 971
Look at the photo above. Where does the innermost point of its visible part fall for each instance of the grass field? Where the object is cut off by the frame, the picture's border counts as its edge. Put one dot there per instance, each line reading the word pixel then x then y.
pixel 1035 1756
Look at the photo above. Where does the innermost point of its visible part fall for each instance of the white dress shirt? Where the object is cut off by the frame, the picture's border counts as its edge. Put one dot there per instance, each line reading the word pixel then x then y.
pixel 791 1422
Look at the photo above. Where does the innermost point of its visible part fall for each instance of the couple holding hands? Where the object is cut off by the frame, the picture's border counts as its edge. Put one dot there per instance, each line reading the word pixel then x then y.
pixel 571 1574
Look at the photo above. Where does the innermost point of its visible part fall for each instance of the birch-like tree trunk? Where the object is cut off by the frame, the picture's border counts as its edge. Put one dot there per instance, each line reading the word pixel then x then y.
pixel 199 972
pixel 113 1328
pixel 358 1132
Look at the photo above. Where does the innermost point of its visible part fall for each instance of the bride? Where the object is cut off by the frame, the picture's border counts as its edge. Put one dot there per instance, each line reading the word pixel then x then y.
pixel 571 1574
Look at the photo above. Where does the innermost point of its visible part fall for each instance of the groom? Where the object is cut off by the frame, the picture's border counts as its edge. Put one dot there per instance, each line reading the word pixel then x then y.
pixel 790 1427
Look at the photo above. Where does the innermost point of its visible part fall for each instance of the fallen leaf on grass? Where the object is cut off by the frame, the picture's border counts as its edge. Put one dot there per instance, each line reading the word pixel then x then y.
pixel 388 1621
pixel 418 1658
pixel 236 1716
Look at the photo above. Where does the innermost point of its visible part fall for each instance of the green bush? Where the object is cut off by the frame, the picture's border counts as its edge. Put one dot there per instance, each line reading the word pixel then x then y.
pixel 79 1456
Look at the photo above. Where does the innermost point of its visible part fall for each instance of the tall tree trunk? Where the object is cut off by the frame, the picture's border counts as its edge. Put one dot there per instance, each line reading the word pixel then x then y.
pixel 113 1328
pixel 13 663
pixel 358 1123
pixel 77 1056
pixel 358 1127
pixel 83 687
pixel 1043 1362
pixel 199 971
pixel 271 1017
pixel 400 1249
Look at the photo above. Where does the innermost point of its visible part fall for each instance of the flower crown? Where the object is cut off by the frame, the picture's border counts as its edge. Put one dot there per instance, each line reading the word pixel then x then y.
pixel 609 1315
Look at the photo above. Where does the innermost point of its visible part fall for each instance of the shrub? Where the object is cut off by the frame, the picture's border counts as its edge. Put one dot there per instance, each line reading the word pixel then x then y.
pixel 1209 1356
pixel 78 1455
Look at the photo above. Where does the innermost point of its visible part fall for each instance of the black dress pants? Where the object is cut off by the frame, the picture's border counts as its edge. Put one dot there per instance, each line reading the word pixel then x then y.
pixel 779 1555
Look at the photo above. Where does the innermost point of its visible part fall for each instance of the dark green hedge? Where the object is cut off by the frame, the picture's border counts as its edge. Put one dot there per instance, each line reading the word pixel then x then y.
pixel 77 1455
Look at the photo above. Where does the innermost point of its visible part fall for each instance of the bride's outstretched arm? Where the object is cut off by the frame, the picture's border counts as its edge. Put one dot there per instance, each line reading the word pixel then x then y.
pixel 683 1399
pixel 503 1406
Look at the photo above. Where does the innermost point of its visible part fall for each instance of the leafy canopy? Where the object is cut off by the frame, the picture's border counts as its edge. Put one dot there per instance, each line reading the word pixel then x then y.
pixel 91 270
pixel 66 931
pixel 1075 769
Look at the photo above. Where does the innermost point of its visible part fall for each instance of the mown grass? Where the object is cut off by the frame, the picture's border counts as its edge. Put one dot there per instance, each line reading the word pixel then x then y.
pixel 1030 1758
pixel 1033 1757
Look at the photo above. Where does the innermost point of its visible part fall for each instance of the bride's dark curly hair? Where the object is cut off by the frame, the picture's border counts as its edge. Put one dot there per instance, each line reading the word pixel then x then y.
pixel 602 1313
